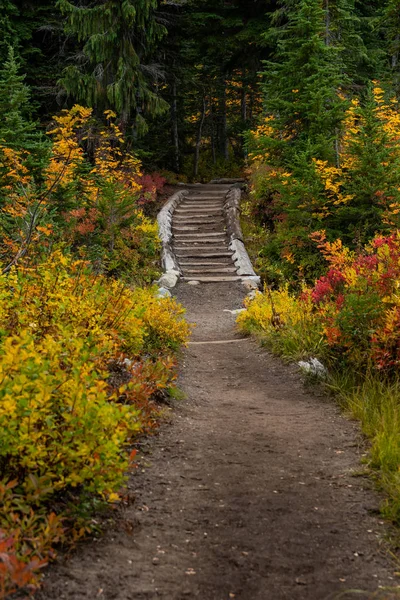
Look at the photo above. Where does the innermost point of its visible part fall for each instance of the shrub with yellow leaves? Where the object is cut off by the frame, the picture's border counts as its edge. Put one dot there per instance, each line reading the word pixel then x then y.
pixel 289 327
pixel 89 195
pixel 65 421
pixel 353 194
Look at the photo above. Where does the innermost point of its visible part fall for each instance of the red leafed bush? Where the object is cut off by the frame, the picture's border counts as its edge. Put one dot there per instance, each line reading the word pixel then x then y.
pixel 14 572
pixel 358 301
pixel 151 186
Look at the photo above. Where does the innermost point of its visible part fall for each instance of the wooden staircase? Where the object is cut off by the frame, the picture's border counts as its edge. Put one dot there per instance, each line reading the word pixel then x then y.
pixel 200 239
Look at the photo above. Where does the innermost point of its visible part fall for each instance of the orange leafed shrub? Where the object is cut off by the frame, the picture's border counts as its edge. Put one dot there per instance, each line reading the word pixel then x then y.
pixel 354 309
pixel 89 196
pixel 81 357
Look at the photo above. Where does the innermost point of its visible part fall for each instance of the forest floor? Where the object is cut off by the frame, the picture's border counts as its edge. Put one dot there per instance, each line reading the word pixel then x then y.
pixel 252 490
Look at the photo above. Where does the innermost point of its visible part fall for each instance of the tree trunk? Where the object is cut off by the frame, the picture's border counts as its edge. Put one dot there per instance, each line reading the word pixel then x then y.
pixel 213 150
pixel 199 137
pixel 225 141
pixel 395 55
pixel 175 130
pixel 244 116
pixel 327 24
pixel 244 104
pixel 224 134
pixel 251 106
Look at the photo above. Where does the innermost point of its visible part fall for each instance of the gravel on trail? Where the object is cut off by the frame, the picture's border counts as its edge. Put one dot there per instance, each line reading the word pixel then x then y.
pixel 252 490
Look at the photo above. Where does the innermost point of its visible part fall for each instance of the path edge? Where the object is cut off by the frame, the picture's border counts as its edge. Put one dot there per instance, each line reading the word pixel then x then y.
pixel 240 255
pixel 172 271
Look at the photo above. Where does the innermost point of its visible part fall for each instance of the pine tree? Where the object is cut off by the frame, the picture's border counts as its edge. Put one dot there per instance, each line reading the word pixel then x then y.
pixel 118 39
pixel 373 179
pixel 301 85
pixel 8 14
pixel 392 26
pixel 371 18
pixel 343 30
pixel 17 131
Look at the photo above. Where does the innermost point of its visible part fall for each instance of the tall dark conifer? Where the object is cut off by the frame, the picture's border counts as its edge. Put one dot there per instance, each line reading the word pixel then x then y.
pixel 17 130
pixel 392 31
pixel 301 86
pixel 112 68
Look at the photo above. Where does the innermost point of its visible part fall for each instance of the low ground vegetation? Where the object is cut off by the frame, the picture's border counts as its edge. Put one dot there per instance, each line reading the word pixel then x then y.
pixel 83 349
pixel 81 357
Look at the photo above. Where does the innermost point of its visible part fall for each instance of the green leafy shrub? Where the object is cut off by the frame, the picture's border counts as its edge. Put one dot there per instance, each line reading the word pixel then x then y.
pixel 66 423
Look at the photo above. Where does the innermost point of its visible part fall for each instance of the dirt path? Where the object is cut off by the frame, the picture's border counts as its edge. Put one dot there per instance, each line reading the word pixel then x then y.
pixel 249 493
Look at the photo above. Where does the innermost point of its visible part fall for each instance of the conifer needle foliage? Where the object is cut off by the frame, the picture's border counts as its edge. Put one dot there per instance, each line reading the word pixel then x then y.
pixel 118 37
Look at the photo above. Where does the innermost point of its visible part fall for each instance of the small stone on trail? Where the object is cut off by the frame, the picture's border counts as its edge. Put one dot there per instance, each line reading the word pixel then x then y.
pixel 169 279
pixel 249 284
pixel 251 295
pixel 237 311
pixel 193 282
pixel 313 367
pixel 163 293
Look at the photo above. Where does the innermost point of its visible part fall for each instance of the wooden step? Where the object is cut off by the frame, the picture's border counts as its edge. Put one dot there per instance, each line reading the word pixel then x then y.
pixel 216 279
pixel 198 212
pixel 220 239
pixel 201 206
pixel 208 196
pixel 206 202
pixel 222 242
pixel 201 203
pixel 193 235
pixel 200 200
pixel 206 242
pixel 208 228
pixel 202 254
pixel 187 217
pixel 200 221
pixel 209 270
pixel 205 263
pixel 217 247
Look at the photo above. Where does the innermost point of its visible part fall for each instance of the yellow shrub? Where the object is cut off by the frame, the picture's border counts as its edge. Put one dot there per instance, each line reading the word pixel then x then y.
pixel 286 323
pixel 61 329
pixel 163 320
pixel 260 311
pixel 55 417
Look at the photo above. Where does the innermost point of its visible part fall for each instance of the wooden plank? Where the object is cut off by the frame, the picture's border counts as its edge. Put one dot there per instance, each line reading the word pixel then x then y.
pixel 222 279
pixel 202 249
pixel 194 235
pixel 200 254
pixel 200 221
pixel 198 212
pixel 209 270
pixel 203 263
pixel 219 242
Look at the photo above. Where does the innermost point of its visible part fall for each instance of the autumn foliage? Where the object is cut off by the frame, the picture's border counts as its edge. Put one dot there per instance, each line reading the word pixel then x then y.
pixel 89 196
pixel 82 356
pixel 352 196
pixel 67 421
pixel 352 313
